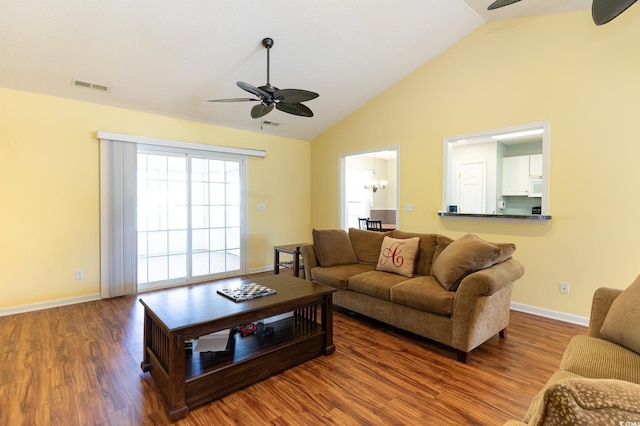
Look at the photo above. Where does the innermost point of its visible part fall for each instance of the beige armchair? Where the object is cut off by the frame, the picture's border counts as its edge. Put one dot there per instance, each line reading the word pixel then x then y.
pixel 598 382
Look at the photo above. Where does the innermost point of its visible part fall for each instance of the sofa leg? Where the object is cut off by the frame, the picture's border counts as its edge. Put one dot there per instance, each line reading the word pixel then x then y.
pixel 462 356
pixel 503 333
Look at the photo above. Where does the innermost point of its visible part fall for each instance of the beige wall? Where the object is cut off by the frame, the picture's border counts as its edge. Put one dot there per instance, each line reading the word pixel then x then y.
pixel 49 191
pixel 562 68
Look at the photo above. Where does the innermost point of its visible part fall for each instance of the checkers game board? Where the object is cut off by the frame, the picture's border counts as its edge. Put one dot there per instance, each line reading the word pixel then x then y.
pixel 246 292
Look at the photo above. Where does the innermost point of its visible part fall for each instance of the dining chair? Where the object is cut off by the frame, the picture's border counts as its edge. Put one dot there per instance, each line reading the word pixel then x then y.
pixel 374 225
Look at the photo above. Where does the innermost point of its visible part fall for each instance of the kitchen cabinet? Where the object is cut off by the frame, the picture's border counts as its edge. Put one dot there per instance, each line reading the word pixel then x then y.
pixel 515 175
pixel 535 165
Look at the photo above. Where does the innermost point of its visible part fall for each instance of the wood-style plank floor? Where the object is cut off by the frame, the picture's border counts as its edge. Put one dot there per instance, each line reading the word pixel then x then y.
pixel 80 365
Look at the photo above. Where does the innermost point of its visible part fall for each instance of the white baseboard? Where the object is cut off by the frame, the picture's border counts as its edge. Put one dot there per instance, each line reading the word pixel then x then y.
pixel 48 304
pixel 262 269
pixel 548 313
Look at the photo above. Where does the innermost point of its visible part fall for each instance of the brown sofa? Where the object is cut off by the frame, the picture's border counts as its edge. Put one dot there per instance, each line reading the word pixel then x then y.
pixel 454 292
pixel 598 382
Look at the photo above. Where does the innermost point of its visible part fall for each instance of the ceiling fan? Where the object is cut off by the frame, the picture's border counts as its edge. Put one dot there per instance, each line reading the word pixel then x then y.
pixel 285 100
pixel 602 11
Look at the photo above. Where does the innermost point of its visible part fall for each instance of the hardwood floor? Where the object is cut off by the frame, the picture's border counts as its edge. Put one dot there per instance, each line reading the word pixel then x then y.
pixel 80 365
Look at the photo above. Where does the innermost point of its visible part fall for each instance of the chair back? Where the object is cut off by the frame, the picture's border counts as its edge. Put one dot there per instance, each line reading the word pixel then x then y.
pixel 362 222
pixel 374 225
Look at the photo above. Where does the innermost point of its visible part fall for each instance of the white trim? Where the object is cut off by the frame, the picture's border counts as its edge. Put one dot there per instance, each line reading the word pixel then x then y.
pixel 548 313
pixel 260 269
pixel 180 144
pixel 30 307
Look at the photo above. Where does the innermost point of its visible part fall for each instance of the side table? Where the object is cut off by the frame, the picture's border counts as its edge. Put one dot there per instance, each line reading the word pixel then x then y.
pixel 292 249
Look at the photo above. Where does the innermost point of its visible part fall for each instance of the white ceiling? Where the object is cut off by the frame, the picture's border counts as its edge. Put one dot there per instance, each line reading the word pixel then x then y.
pixel 168 57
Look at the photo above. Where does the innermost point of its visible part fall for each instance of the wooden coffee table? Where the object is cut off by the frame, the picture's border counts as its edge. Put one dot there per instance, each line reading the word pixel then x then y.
pixel 188 379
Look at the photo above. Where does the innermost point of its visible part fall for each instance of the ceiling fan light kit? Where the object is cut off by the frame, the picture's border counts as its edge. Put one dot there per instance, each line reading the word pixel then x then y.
pixel 285 100
pixel 602 11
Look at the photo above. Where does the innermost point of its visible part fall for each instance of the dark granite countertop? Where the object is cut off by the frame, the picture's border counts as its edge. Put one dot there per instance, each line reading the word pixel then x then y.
pixel 535 217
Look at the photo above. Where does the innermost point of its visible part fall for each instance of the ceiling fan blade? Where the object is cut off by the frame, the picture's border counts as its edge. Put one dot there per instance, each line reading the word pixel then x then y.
pixel 261 110
pixel 252 89
pixel 604 11
pixel 501 3
pixel 233 100
pixel 294 95
pixel 295 109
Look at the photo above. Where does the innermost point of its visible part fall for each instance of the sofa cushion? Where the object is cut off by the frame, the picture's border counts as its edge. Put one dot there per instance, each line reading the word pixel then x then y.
pixel 621 325
pixel 425 294
pixel 507 249
pixel 398 256
pixel 375 283
pixel 338 276
pixel 366 244
pixel 425 252
pixel 589 402
pixel 333 247
pixel 600 359
pixel 462 257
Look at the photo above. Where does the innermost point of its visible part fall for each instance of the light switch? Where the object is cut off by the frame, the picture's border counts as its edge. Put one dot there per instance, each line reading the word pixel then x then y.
pixel 261 206
pixel 408 207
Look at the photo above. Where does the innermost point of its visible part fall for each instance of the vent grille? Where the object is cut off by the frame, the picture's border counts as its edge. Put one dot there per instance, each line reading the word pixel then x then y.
pixel 89 85
pixel 270 123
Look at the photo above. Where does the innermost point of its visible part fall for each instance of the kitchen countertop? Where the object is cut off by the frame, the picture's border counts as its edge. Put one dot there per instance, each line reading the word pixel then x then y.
pixel 533 217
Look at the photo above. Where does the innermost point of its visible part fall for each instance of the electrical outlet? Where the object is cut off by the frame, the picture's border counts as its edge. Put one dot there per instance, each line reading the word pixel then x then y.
pixel 79 274
pixel 261 206
pixel 564 287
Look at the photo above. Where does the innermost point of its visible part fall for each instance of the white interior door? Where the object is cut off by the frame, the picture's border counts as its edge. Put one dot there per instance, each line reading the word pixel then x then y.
pixel 472 187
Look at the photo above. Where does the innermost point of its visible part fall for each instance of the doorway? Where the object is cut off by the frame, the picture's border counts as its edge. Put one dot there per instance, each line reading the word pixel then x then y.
pixel 369 187
pixel 472 187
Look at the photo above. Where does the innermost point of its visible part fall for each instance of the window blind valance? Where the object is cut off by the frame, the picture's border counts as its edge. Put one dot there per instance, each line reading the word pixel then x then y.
pixel 121 137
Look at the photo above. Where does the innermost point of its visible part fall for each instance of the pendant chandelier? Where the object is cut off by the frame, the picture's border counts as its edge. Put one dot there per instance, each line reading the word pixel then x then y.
pixel 375 184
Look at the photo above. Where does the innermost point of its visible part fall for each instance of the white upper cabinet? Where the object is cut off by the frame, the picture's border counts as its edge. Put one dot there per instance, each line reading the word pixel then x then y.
pixel 515 175
pixel 535 165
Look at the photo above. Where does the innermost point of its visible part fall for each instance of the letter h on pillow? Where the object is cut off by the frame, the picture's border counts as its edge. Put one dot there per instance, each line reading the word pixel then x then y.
pixel 398 256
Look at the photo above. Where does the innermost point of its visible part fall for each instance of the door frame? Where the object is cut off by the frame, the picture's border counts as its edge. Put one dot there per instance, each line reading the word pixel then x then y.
pixel 342 205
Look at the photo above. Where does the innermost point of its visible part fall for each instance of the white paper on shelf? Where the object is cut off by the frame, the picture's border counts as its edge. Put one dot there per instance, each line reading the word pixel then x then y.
pixel 214 342
pixel 277 318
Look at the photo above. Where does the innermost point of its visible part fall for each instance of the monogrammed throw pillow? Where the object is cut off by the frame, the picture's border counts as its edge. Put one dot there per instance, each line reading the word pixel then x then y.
pixel 398 256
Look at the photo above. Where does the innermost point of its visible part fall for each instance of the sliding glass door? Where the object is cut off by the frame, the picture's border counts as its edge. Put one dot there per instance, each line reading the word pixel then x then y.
pixel 189 217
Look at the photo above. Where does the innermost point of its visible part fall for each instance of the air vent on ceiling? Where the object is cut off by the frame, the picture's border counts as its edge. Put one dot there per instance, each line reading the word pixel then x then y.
pixel 89 85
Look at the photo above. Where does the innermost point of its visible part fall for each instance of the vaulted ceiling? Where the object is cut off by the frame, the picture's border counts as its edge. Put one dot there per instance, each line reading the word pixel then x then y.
pixel 169 57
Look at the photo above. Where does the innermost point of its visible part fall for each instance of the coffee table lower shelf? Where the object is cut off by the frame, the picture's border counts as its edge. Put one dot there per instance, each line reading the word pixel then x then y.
pixel 253 358
pixel 186 379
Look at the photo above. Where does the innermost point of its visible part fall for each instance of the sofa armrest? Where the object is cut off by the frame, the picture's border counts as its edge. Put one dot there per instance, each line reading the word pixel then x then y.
pixel 487 281
pixel 602 300
pixel 481 304
pixel 309 259
pixel 484 283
